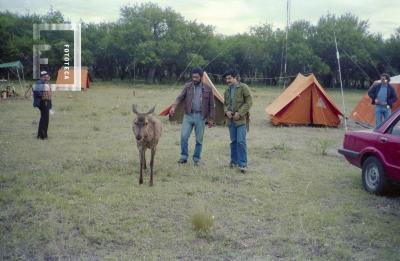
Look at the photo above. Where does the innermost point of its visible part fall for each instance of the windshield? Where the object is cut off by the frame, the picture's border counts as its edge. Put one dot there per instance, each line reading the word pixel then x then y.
pixel 383 122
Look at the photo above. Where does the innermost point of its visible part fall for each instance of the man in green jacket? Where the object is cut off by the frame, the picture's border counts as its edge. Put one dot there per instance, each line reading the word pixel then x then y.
pixel 237 105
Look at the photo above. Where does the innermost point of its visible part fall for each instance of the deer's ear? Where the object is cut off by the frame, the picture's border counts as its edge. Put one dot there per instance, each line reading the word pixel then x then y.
pixel 151 110
pixel 134 109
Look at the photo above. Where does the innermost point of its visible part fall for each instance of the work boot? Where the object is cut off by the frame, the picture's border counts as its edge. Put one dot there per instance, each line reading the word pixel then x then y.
pixel 182 161
pixel 232 165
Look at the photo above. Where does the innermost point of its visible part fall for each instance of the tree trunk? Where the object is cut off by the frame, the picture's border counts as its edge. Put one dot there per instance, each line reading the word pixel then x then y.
pixel 151 74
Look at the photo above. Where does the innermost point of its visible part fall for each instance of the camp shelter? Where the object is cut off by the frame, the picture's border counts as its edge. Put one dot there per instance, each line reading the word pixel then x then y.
pixel 364 112
pixel 304 102
pixel 219 105
pixel 63 78
pixel 16 68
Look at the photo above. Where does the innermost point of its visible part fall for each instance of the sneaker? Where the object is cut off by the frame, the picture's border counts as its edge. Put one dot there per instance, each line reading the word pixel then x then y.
pixel 243 169
pixel 182 161
pixel 232 165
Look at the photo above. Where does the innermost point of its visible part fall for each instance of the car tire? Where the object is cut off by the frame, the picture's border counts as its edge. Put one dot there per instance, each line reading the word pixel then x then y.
pixel 373 176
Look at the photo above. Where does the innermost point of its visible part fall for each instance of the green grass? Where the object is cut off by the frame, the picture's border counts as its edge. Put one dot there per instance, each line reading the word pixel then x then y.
pixel 76 196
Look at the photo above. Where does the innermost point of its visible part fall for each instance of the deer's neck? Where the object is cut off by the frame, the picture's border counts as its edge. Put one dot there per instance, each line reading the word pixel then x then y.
pixel 148 132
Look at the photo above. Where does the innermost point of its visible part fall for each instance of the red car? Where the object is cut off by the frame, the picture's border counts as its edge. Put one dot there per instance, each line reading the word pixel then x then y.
pixel 376 152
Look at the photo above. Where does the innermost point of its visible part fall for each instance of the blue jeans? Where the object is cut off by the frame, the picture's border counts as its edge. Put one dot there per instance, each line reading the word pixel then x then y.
pixel 238 144
pixel 381 111
pixel 191 120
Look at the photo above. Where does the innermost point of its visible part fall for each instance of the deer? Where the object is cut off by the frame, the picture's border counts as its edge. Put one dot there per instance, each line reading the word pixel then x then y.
pixel 147 130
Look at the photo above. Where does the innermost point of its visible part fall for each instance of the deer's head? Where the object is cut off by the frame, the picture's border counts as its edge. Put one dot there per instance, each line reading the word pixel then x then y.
pixel 140 121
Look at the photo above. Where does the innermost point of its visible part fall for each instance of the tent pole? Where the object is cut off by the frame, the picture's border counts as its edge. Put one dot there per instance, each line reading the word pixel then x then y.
pixel 341 84
pixel 19 79
pixel 23 75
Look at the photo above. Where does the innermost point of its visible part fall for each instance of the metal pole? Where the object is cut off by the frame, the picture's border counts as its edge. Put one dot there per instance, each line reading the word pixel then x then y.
pixel 288 20
pixel 341 84
pixel 286 41
pixel 19 80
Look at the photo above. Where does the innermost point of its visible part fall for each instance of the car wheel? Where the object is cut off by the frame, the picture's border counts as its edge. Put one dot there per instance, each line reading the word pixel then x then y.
pixel 373 175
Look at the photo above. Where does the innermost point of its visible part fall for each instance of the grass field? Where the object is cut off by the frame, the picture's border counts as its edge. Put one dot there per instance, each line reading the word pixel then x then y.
pixel 76 196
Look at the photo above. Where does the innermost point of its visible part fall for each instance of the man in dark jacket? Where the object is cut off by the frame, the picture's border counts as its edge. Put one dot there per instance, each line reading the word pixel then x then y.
pixel 383 96
pixel 42 100
pixel 198 101
pixel 237 104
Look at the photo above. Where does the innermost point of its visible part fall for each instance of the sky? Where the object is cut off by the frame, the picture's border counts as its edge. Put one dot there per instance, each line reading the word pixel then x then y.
pixel 228 17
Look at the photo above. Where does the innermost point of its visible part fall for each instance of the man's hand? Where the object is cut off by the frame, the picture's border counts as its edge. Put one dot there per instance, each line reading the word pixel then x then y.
pixel 172 110
pixel 379 102
pixel 229 114
pixel 236 116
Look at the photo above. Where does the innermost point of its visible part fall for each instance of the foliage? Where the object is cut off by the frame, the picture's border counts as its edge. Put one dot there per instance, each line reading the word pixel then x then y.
pixel 157 44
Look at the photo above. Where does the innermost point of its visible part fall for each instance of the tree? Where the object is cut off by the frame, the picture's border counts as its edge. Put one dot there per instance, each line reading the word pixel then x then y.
pixel 159 45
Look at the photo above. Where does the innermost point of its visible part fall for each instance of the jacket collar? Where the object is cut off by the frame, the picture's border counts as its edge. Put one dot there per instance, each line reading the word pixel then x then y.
pixel 203 86
pixel 238 85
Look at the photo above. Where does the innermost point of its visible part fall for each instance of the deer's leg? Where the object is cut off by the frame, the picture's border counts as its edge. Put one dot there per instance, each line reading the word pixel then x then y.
pixel 144 160
pixel 153 152
pixel 141 166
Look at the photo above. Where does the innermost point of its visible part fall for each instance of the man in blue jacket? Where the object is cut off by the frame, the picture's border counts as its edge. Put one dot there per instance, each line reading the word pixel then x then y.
pixel 383 96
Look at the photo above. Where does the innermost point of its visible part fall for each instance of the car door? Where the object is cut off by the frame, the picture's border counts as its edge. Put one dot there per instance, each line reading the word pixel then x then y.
pixel 390 142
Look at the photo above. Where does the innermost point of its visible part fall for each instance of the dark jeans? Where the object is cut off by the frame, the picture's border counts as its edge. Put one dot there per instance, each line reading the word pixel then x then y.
pixel 238 144
pixel 44 108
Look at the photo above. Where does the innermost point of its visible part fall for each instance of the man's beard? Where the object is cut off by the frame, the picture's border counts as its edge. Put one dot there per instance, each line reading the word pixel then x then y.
pixel 196 82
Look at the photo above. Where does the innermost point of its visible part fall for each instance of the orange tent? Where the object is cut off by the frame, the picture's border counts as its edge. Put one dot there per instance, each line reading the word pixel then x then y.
pixel 85 77
pixel 219 105
pixel 304 102
pixel 364 111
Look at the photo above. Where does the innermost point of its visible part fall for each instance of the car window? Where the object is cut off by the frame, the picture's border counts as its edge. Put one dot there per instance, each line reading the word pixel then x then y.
pixel 383 122
pixel 395 130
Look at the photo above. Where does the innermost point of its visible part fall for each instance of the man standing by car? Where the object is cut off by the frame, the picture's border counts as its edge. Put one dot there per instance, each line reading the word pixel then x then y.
pixel 42 100
pixel 383 95
pixel 198 101
pixel 237 104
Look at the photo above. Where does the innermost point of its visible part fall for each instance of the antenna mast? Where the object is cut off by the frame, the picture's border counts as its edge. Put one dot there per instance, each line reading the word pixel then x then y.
pixel 288 11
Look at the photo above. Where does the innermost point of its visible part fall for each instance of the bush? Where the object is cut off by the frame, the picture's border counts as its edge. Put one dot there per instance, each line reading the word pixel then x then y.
pixel 322 145
pixel 202 221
